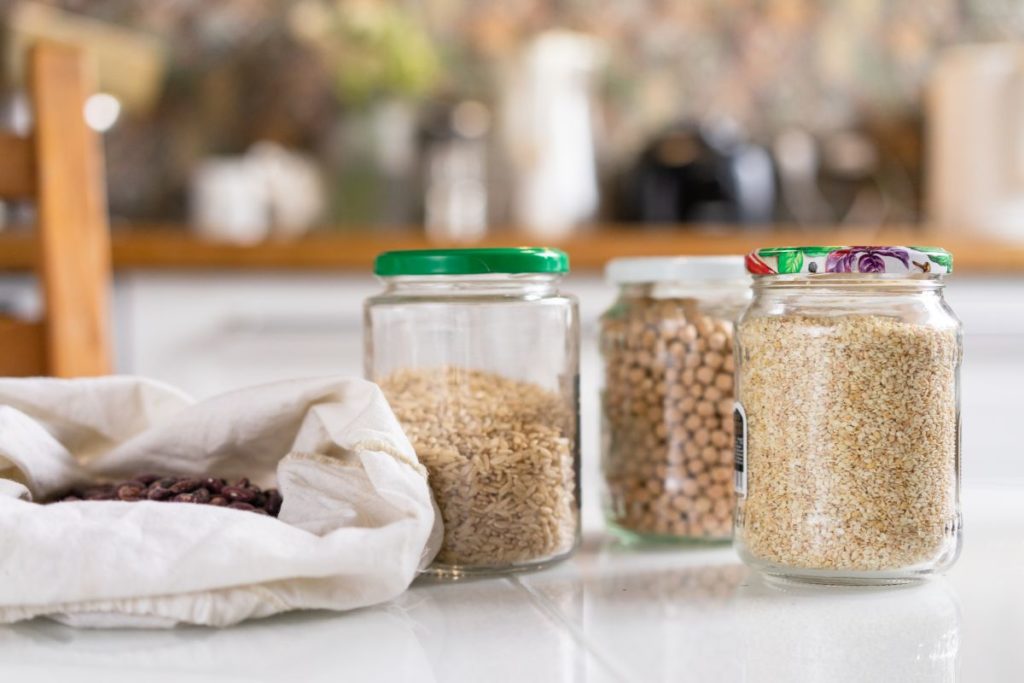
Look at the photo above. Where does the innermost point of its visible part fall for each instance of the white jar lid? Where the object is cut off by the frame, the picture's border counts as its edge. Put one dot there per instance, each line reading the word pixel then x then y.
pixel 675 269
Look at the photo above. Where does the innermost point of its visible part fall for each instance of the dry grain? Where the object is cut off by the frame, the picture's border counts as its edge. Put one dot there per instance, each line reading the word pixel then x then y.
pixel 852 441
pixel 501 460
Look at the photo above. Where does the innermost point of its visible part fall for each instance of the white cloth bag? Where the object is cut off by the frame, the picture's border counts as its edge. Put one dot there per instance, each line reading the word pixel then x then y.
pixel 356 525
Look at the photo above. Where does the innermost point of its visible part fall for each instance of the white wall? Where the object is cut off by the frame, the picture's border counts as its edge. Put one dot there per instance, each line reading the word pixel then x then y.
pixel 211 332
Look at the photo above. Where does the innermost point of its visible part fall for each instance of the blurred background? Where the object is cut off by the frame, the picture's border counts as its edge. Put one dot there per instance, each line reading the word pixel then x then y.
pixel 468 116
pixel 259 153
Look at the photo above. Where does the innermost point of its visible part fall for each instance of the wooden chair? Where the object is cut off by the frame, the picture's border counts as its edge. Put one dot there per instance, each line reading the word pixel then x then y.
pixel 60 165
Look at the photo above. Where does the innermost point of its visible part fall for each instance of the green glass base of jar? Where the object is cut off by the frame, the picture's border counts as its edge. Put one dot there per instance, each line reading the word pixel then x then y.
pixel 630 536
pixel 785 574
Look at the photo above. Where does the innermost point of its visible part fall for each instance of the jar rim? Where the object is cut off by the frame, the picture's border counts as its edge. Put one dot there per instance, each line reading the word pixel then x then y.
pixel 865 281
pixel 484 261
pixel 643 270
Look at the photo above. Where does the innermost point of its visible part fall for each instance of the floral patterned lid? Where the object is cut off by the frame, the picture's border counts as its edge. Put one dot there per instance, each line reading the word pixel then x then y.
pixel 816 260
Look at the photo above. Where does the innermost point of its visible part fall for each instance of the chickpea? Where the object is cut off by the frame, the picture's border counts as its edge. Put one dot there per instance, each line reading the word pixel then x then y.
pixel 668 404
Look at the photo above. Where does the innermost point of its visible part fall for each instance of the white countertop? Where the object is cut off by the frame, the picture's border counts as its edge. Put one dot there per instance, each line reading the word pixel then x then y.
pixel 610 614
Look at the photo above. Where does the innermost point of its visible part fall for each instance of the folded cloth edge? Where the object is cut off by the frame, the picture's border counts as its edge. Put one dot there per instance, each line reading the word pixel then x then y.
pixel 156 611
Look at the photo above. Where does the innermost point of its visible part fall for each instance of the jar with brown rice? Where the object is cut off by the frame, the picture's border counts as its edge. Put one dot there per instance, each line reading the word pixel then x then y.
pixel 848 416
pixel 667 402
pixel 477 351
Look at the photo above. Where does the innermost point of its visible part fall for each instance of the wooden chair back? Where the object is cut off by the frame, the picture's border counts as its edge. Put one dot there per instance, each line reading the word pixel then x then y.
pixel 60 166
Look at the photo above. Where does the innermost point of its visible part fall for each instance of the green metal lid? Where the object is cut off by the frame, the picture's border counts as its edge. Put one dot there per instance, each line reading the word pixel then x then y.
pixel 857 259
pixel 471 261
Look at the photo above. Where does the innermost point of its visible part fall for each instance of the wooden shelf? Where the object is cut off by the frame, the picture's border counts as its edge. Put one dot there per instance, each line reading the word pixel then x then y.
pixel 165 248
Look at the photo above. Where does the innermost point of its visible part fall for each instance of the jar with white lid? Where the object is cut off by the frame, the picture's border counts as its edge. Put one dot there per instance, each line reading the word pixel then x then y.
pixel 667 401
pixel 848 414
pixel 477 351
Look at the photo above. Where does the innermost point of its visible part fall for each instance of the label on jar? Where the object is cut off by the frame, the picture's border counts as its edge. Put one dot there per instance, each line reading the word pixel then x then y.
pixel 739 424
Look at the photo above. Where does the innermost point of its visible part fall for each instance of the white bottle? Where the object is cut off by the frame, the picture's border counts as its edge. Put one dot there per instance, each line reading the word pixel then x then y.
pixel 975 140
pixel 549 133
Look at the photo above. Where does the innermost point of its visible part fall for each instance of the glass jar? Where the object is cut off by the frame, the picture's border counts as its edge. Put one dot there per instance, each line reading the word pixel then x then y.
pixel 848 416
pixel 477 351
pixel 667 402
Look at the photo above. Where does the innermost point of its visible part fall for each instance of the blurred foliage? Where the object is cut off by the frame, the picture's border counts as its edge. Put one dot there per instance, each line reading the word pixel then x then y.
pixel 295 71
pixel 371 48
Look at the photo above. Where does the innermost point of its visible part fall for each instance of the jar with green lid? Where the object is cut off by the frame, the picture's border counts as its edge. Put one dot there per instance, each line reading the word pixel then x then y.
pixel 477 351
pixel 848 415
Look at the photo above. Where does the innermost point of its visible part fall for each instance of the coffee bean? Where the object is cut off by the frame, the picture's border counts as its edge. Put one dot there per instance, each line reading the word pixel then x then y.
pixel 185 486
pixel 214 485
pixel 158 493
pixel 241 506
pixel 131 491
pixel 239 494
pixel 274 499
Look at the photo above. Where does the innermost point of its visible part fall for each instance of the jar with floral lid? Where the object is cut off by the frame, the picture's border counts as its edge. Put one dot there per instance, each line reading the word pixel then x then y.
pixel 847 421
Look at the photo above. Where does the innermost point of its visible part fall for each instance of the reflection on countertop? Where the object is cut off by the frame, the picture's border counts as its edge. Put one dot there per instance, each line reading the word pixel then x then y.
pixel 702 617
pixel 613 613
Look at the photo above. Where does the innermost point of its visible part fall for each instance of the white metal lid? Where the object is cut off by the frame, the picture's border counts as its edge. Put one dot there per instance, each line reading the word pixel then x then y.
pixel 676 268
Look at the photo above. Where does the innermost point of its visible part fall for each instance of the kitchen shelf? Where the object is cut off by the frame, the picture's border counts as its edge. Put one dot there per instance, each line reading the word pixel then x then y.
pixel 156 247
